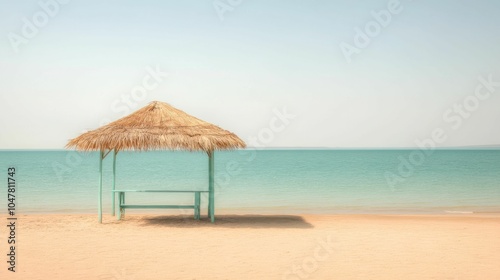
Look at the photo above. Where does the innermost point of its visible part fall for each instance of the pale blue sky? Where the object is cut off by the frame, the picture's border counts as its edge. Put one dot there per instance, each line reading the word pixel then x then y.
pixel 263 56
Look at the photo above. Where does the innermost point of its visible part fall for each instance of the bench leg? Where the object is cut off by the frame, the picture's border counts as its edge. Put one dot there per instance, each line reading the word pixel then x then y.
pixel 119 216
pixel 121 201
pixel 197 205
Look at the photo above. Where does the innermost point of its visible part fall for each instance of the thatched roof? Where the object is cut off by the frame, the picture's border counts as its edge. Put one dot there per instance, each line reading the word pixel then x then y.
pixel 157 126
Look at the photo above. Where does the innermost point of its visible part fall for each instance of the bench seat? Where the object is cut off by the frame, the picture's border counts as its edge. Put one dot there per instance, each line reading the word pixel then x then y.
pixel 122 206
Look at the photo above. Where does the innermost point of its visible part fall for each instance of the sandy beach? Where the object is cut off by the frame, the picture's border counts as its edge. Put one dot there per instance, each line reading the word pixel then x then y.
pixel 255 247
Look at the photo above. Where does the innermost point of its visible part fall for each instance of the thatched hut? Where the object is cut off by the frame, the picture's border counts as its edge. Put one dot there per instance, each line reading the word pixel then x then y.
pixel 157 126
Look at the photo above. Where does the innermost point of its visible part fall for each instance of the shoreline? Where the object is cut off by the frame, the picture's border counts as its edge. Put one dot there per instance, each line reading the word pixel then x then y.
pixel 225 213
pixel 457 213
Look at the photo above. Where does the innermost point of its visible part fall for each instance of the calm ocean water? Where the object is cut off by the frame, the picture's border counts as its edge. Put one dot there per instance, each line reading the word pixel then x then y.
pixel 265 181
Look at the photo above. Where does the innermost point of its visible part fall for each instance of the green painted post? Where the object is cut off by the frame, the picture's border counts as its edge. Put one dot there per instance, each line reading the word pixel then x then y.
pixel 114 181
pixel 100 187
pixel 211 191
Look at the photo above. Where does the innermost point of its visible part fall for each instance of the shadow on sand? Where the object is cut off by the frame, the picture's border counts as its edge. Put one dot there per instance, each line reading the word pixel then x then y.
pixel 229 221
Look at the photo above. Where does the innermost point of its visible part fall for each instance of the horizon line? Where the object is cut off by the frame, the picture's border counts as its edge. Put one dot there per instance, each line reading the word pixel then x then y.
pixel 292 148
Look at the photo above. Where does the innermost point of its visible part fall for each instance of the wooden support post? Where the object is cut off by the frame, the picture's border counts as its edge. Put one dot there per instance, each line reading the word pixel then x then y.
pixel 211 190
pixel 99 212
pixel 114 183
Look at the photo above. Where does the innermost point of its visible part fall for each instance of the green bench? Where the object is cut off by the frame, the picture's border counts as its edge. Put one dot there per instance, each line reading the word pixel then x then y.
pixel 122 206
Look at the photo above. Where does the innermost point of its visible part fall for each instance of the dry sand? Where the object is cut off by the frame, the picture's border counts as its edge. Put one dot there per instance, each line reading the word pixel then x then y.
pixel 255 247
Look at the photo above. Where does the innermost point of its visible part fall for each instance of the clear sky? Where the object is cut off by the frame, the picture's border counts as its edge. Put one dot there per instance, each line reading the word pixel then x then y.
pixel 70 67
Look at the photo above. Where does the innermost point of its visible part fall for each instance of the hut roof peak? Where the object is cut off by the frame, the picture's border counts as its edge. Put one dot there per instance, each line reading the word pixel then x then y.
pixel 158 126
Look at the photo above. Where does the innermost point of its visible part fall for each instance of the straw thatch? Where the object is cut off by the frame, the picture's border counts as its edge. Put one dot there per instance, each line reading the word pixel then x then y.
pixel 157 126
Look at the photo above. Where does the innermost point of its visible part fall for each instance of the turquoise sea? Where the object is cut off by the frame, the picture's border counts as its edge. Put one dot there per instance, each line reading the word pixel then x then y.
pixel 264 181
